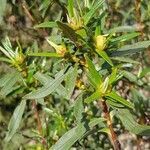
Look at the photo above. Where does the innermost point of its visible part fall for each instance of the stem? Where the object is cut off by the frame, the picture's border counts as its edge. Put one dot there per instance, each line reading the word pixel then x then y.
pixel 112 135
pixel 27 12
pixel 37 117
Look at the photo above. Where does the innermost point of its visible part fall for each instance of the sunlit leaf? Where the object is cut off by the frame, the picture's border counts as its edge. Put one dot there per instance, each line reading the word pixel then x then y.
pixel 93 74
pixel 125 37
pixel 95 96
pixel 104 55
pixel 47 24
pixel 43 54
pixel 92 11
pixel 118 98
pixel 70 8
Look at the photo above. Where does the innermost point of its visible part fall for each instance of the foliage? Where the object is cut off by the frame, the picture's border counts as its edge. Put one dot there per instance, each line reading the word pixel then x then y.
pixel 72 87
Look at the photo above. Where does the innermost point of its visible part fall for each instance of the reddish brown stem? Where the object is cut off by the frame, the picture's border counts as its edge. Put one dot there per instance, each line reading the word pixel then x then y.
pixel 27 12
pixel 112 135
pixel 36 113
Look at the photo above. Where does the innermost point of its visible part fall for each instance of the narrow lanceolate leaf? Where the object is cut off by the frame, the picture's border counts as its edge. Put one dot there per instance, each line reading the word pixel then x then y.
pixel 47 24
pixel 132 78
pixel 5 79
pixel 93 74
pixel 69 138
pixel 143 44
pixel 113 76
pixel 45 79
pixel 123 29
pixel 131 49
pixel 94 122
pixel 15 120
pixel 130 124
pixel 92 11
pixel 70 81
pixel 118 98
pixel 7 83
pixel 68 31
pixel 46 90
pixel 5 60
pixel 125 59
pixel 78 109
pixel 43 54
pixel 125 37
pixel 95 96
pixel 70 8
pixel 114 104
pixel 76 133
pixel 104 55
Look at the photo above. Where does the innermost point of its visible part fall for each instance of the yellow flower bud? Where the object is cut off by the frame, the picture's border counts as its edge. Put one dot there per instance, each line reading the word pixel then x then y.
pixel 60 49
pixel 100 42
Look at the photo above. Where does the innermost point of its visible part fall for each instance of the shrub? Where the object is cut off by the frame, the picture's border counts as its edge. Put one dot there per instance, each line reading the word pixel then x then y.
pixel 73 89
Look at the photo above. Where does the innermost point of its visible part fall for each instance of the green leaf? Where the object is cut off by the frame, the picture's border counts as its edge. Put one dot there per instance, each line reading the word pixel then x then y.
pixel 96 121
pixel 5 60
pixel 125 37
pixel 76 133
pixel 104 55
pixel 7 83
pixel 93 74
pixel 104 86
pixel 132 78
pixel 78 109
pixel 92 11
pixel 15 120
pixel 47 89
pixel 138 99
pixel 130 124
pixel 113 76
pixel 114 104
pixel 68 31
pixel 48 24
pixel 131 49
pixel 116 97
pixel 123 29
pixel 44 54
pixel 70 8
pixel 96 95
pixel 45 79
pixel 69 138
pixel 5 79
pixel 143 44
pixel 144 72
pixel 70 81
pixel 125 59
